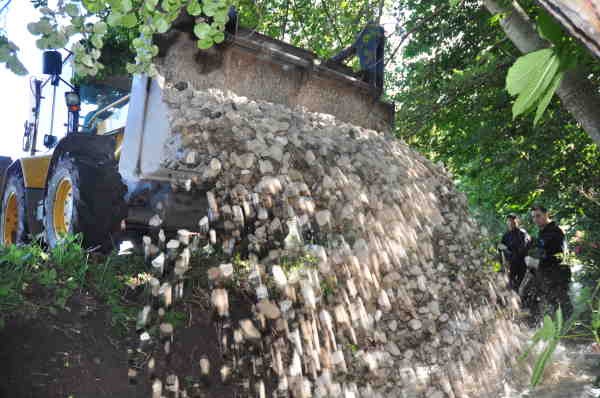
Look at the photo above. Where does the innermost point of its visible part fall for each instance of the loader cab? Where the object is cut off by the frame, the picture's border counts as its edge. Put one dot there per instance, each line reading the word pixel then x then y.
pixel 104 106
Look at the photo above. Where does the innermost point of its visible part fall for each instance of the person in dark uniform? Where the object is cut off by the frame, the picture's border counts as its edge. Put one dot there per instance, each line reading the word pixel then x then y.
pixel 545 259
pixel 369 47
pixel 514 246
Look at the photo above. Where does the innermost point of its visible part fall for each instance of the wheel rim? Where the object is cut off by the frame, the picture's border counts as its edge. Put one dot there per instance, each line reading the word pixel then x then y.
pixel 10 220
pixel 62 210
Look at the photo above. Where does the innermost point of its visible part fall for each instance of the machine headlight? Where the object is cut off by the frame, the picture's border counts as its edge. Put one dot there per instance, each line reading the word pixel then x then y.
pixel 73 100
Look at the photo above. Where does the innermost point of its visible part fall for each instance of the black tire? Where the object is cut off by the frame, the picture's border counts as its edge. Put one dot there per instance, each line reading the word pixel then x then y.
pixel 98 204
pixel 15 185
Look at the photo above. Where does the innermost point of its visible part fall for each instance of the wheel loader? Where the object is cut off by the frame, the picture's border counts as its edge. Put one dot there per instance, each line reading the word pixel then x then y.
pixel 108 175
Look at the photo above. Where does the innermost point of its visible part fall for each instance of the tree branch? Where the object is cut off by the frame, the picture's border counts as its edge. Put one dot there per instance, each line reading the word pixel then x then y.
pixel 413 30
pixel 5 6
pixel 285 20
pixel 332 22
pixel 380 13
pixel 577 93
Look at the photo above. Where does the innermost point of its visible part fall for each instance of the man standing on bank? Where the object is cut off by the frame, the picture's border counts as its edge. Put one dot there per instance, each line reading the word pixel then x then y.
pixel 514 246
pixel 552 277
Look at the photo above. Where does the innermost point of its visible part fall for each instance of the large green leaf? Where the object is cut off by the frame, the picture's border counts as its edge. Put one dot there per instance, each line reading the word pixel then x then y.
pixel 526 68
pixel 537 86
pixel 547 97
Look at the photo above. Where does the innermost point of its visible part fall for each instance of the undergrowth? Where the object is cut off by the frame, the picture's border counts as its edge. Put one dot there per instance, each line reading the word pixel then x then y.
pixel 34 280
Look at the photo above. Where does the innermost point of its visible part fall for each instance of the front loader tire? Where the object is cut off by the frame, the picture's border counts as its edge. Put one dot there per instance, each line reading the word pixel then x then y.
pixel 13 224
pixel 84 196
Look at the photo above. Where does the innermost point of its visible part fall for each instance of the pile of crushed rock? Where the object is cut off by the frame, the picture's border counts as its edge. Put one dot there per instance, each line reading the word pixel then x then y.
pixel 358 254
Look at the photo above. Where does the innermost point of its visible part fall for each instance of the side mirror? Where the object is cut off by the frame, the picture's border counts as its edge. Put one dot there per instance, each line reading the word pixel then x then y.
pixel 52 63
pixel 50 141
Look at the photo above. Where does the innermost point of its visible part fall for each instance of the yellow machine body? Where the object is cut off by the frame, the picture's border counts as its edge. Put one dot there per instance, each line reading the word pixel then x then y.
pixel 35 170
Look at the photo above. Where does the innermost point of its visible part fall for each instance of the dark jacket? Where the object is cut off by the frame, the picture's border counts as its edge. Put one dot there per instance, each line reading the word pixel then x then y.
pixel 517 241
pixel 551 245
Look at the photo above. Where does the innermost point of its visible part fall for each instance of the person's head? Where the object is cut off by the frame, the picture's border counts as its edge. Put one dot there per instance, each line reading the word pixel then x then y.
pixel 540 215
pixel 512 222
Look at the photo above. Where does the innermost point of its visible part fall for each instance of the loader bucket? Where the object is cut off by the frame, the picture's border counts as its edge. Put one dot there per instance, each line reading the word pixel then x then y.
pixel 250 65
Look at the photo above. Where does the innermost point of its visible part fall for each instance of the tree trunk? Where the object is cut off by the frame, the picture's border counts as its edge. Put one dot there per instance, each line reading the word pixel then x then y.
pixel 577 93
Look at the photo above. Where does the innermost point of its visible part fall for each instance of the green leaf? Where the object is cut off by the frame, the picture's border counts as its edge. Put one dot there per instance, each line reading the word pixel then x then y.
pixel 151 5
pixel 92 6
pixel 542 361
pixel 210 9
pixel 4 290
pixel 72 10
pixel 202 30
pixel 33 28
pixel 524 69
pixel 205 44
pixel 114 19
pixel 455 3
pixel 100 28
pixel 4 53
pixel 126 6
pixel 194 8
pixel 221 18
pixel 161 25
pixel 129 20
pixel 547 330
pixel 549 29
pixel 86 60
pixel 41 43
pixel 537 86
pixel 559 322
pixel 218 37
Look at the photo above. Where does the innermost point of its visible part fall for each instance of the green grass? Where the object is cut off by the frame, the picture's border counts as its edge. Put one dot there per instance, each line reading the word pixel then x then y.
pixel 33 279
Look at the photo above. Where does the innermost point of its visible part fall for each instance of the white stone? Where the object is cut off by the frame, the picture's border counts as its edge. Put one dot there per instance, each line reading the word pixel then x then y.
pixel 415 324
pixel 341 315
pixel 268 309
pixel 393 349
pixel 265 167
pixel 296 365
pixel 191 158
pixel 279 276
pixel 226 270
pixel 155 221
pixel 308 294
pixel 220 302
pixel 270 185
pixel 384 301
pixel 250 331
pixel 173 244
pixel 262 293
pixel 323 217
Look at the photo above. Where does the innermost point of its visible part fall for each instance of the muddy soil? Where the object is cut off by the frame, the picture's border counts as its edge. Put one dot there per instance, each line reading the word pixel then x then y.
pixel 77 354
pixel 71 354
